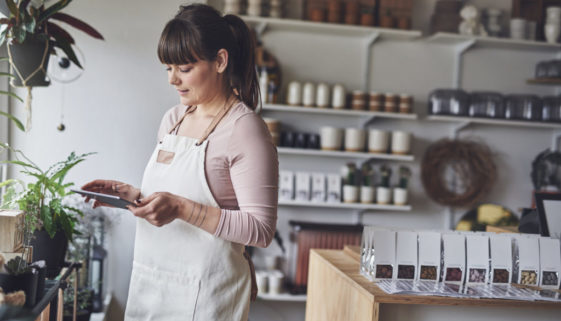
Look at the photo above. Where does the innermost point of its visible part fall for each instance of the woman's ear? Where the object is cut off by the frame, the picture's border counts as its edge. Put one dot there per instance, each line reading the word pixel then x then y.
pixel 221 60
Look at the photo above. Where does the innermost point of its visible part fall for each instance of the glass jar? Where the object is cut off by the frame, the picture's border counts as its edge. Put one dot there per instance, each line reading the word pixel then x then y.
pixel 542 69
pixel 448 102
pixel 523 107
pixel 551 110
pixel 486 104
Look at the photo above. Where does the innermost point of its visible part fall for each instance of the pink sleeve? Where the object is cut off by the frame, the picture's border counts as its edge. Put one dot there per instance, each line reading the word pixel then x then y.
pixel 254 173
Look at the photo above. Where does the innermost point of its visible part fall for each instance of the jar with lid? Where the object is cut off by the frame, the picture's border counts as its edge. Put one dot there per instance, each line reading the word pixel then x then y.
pixel 523 107
pixel 338 97
pixel 448 102
pixel 551 110
pixel 487 104
pixel 376 101
pixel 390 103
pixel 358 101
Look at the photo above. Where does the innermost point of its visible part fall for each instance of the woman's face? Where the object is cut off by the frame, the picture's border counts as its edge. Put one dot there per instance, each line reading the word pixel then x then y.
pixel 196 83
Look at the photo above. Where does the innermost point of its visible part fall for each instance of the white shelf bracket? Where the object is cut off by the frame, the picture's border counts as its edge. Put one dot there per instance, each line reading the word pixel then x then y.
pixel 457 128
pixel 260 29
pixel 369 42
pixel 358 216
pixel 459 51
pixel 369 122
pixel 555 141
pixel 449 218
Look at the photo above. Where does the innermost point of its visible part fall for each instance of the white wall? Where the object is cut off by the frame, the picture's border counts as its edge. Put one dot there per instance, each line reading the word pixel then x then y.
pixel 115 108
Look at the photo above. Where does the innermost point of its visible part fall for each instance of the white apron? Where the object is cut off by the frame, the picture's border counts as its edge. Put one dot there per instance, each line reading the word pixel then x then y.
pixel 181 272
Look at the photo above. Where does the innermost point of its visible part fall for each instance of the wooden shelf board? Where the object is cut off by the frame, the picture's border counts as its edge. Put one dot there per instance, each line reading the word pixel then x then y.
pixel 493 42
pixel 333 28
pixel 544 81
pixel 343 154
pixel 347 267
pixel 336 112
pixel 500 122
pixel 358 206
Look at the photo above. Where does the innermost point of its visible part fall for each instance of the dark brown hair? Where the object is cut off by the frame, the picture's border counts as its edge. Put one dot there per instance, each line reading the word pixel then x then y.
pixel 198 31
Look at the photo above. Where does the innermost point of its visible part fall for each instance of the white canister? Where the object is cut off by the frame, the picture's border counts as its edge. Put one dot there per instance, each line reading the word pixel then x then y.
pixel 383 195
pixel 331 138
pixel 294 97
pixel 367 194
pixel 378 141
pixel 354 140
pixel 518 28
pixel 276 279
pixel 399 196
pixel 552 32
pixel 309 95
pixel 401 142
pixel 322 95
pixel 262 280
pixel 553 14
pixel 350 193
pixel 338 97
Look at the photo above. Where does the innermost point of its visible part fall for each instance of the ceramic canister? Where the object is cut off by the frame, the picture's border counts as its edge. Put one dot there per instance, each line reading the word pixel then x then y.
pixel 309 95
pixel 294 95
pixel 338 97
pixel 322 95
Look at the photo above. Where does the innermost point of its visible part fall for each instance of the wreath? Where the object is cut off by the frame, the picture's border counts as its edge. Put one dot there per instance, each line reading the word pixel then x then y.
pixel 458 172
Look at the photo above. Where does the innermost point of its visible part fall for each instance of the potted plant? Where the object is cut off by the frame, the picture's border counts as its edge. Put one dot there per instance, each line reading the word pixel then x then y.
pixel 367 191
pixel 400 192
pixel 383 192
pixel 48 223
pixel 84 302
pixel 11 117
pixel 32 36
pixel 17 275
pixel 350 188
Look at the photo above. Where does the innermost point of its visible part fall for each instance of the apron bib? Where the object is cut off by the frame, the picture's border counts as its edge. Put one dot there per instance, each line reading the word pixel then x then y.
pixel 181 272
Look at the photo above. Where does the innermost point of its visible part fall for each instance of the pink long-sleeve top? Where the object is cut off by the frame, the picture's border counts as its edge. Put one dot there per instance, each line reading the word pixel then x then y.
pixel 241 168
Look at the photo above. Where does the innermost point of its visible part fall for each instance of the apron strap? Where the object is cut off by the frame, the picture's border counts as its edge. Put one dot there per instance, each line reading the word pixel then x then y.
pixel 189 110
pixel 215 122
pixel 253 280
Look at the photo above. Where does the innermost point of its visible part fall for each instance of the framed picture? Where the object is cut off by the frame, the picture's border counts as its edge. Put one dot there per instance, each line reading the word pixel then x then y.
pixel 549 213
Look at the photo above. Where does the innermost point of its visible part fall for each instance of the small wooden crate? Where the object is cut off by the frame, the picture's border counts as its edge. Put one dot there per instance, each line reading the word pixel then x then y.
pixel 25 252
pixel 11 230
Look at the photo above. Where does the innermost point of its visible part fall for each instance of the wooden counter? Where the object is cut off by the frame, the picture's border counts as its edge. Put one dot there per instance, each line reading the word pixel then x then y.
pixel 337 291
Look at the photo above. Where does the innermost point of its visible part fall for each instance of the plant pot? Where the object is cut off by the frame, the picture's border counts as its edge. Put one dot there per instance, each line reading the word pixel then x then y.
pixel 52 251
pixel 350 193
pixel 27 58
pixel 367 194
pixel 383 195
pixel 25 282
pixel 399 196
pixel 41 275
pixel 81 315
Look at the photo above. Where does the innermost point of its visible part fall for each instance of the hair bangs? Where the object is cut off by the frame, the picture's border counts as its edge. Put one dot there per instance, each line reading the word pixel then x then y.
pixel 178 46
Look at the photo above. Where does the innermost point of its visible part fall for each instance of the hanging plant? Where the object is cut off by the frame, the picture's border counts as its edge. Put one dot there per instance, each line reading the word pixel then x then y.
pixel 32 36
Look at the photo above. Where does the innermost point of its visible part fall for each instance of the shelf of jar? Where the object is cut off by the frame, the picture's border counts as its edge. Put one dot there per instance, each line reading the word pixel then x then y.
pixel 285 297
pixel 493 42
pixel 343 154
pixel 336 112
pixel 334 28
pixel 489 121
pixel 356 206
pixel 544 81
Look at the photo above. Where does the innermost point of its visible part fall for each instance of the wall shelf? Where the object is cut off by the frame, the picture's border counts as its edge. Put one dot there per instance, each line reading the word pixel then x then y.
pixel 493 42
pixel 285 297
pixel 333 28
pixel 500 122
pixel 337 112
pixel 544 81
pixel 343 154
pixel 355 206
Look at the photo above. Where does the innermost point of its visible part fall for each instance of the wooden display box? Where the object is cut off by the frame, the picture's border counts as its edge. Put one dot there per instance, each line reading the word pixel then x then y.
pixel 25 252
pixel 11 230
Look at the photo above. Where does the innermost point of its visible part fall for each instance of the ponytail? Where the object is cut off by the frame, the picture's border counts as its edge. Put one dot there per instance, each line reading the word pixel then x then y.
pixel 243 74
pixel 198 31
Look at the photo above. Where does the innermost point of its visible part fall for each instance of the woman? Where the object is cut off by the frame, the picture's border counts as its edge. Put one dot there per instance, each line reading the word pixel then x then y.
pixel 211 184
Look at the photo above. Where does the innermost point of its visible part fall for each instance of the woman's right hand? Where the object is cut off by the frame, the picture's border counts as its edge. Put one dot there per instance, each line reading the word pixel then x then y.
pixel 116 188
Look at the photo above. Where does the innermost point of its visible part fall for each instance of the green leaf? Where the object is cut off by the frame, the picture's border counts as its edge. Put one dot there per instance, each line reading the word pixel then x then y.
pixel 3 34
pixel 7 182
pixel 7 74
pixel 78 24
pixel 2 92
pixel 52 10
pixel 19 34
pixel 20 163
pixel 14 119
pixel 47 219
pixel 12 6
pixel 63 44
pixel 30 25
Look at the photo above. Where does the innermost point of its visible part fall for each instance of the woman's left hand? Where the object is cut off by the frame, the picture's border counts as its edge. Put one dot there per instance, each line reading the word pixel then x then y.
pixel 160 208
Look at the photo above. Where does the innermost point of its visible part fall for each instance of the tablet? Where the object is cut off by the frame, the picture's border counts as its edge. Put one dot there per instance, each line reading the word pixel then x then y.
pixel 105 198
